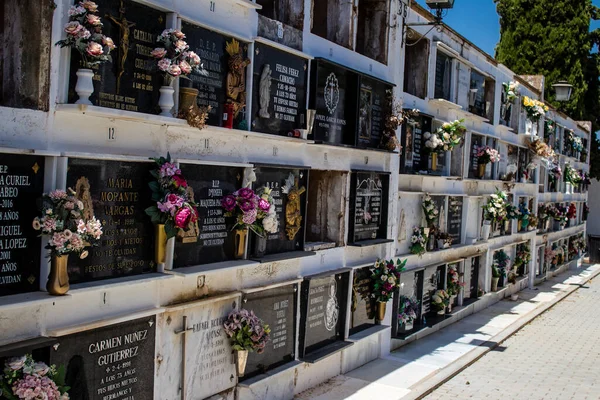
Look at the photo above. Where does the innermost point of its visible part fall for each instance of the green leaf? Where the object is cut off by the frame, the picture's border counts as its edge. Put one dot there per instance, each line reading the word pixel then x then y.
pixel 154 186
pixel 170 229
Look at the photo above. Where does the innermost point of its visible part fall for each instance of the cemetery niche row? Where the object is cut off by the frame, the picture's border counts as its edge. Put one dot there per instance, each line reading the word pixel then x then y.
pixel 118 358
pixel 347 107
pixel 117 193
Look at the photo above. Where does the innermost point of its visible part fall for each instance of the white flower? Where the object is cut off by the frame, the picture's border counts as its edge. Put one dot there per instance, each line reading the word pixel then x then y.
pixel 427 135
pixel 16 363
pixel 414 239
pixel 436 298
pixel 384 277
pixel 391 280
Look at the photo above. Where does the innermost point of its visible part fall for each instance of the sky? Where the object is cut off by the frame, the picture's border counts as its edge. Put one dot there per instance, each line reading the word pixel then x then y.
pixel 477 20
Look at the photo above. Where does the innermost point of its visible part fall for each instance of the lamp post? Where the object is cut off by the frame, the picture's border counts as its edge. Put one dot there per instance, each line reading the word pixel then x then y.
pixel 437 8
pixel 563 90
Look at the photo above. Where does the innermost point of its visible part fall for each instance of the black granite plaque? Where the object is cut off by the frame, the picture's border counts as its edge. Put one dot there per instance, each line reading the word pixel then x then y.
pixel 371 106
pixel 275 178
pixel 277 308
pixel 443 76
pixel 476 142
pixel 118 192
pixel 115 362
pixel 334 96
pixel 455 211
pixel 323 308
pixel 474 278
pixel 415 158
pixel 368 206
pixel 523 161
pixel 211 239
pixel 279 98
pixel 130 82
pixel 212 88
pixel 21 185
pixel 363 306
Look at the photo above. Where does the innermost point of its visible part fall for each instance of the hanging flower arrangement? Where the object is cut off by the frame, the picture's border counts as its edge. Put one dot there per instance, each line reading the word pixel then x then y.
pixel 65 225
pixel 418 241
pixel 446 138
pixel 174 58
pixel 535 109
pixel 246 331
pixel 453 283
pixel 385 279
pixel 574 141
pixel 408 308
pixel 511 91
pixel 173 205
pixel 84 34
pixel 430 210
pixel 486 154
pixel 572 176
pixel 24 378
pixel 495 208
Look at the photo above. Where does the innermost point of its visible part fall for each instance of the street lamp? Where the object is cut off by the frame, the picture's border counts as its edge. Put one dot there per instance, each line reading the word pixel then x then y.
pixel 437 8
pixel 563 90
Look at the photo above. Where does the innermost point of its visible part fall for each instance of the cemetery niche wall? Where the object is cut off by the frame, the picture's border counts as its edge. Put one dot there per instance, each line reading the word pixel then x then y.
pixel 118 194
pixel 210 239
pixel 279 98
pixel 130 82
pixel 21 188
pixel 368 207
pixel 323 306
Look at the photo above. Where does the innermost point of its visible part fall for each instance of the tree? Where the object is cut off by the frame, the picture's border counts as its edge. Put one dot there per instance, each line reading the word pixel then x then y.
pixel 538 37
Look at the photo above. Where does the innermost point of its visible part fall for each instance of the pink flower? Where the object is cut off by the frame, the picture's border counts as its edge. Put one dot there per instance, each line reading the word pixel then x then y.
pixel 164 64
pixel 94 49
pixel 84 34
pixel 179 181
pixel 174 70
pixel 58 194
pixel 93 20
pixel 177 201
pixel 168 170
pixel 76 10
pixel 158 52
pixel 185 67
pixel 108 42
pixel 182 218
pixel 228 202
pixel 249 217
pixel 264 205
pixel 73 28
pixel 89 5
pixel 245 193
pixel 178 34
pixel 181 46
pixel 165 207
pixel 193 58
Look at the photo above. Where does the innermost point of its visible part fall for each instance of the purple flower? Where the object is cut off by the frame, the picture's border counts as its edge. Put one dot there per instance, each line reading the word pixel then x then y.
pixel 228 202
pixel 246 206
pixel 264 205
pixel 246 193
pixel 165 207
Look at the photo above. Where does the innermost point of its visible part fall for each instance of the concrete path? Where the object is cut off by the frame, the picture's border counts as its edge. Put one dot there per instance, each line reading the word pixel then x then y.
pixel 416 369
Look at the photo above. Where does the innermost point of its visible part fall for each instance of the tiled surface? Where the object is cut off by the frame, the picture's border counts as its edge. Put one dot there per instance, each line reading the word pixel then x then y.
pixel 393 376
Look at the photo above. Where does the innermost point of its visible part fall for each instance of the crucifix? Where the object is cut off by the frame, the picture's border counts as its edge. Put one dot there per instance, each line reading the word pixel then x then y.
pixel 124 30
pixel 183 332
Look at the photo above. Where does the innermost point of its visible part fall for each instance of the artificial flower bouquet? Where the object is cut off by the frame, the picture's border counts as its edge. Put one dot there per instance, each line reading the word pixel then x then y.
pixel 65 225
pixel 512 211
pixel 535 109
pixel 84 34
pixel 550 255
pixel 174 58
pixel 430 209
pixel 453 284
pixel 555 172
pixel 444 240
pixel 502 262
pixel 418 241
pixel 523 212
pixel 574 141
pixel 446 138
pixel 572 176
pixel 523 255
pixel 495 208
pixel 408 308
pixel 246 331
pixel 487 154
pixel 440 300
pixel 385 279
pixel 558 212
pixel 24 378
pixel 174 207
pixel 572 211
pixel 250 210
pixel 511 91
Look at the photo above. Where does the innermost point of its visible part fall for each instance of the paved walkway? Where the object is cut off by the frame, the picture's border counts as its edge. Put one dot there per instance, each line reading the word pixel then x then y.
pixel 414 369
pixel 557 356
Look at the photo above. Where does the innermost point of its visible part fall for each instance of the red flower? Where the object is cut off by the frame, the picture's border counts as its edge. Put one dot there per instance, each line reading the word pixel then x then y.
pixel 179 181
pixel 182 218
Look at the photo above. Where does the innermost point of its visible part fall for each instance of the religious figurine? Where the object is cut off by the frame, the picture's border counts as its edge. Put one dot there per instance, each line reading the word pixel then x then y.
pixel 249 177
pixel 236 76
pixel 293 216
pixel 193 231
pixel 82 193
pixel 124 30
pixel 265 92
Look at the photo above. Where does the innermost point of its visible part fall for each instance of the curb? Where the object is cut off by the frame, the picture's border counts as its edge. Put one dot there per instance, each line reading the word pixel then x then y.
pixel 445 374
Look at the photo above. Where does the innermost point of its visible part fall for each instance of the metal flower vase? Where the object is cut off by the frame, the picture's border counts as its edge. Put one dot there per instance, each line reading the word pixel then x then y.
pixel 240 238
pixel 260 246
pixel 58 279
pixel 241 358
pixel 481 170
pixel 495 284
pixel 381 307
pixel 160 244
